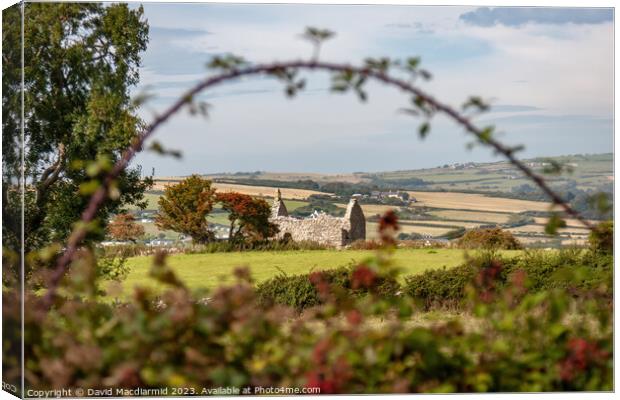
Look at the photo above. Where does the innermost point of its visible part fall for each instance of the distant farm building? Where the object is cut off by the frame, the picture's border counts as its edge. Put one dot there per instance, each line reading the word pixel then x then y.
pixel 377 195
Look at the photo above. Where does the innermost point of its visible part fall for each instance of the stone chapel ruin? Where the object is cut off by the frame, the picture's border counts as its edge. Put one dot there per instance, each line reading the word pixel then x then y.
pixel 321 227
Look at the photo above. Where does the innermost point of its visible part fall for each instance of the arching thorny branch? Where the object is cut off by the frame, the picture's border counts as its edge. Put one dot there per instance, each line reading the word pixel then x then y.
pixel 344 77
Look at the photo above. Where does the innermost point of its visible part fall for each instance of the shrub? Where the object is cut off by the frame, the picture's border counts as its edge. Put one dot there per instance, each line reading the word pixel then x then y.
pixel 132 250
pixel 115 268
pixel 454 234
pixel 293 291
pixel 267 245
pixel 439 288
pixel 445 288
pixel 406 244
pixel 573 269
pixel 602 238
pixel 365 245
pixel 490 239
pixel 299 292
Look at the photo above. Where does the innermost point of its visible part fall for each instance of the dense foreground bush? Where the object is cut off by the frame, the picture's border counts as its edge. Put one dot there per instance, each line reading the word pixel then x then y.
pixel 489 238
pixel 568 269
pixel 508 338
pixel 300 291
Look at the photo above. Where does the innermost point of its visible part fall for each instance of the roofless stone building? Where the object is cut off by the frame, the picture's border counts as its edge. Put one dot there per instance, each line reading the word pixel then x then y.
pixel 321 227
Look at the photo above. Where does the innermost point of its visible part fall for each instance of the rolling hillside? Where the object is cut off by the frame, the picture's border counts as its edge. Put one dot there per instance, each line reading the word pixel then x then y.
pixel 446 198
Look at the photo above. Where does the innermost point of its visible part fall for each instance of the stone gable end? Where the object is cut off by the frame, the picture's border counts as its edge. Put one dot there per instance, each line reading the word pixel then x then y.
pixel 321 228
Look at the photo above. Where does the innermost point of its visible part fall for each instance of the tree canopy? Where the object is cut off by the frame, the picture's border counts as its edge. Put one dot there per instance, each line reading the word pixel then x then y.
pixel 124 227
pixel 248 215
pixel 80 60
pixel 184 208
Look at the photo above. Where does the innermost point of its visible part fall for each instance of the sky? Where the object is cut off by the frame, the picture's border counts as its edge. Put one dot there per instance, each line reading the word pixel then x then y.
pixel 547 72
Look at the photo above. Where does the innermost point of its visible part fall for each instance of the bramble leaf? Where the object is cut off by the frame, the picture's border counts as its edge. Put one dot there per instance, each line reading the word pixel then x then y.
pixel 424 129
pixel 555 222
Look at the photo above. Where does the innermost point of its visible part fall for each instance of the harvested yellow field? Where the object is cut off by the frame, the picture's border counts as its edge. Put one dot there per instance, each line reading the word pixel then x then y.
pixel 541 229
pixel 265 191
pixel 467 225
pixel 468 201
pixel 550 242
pixel 455 215
pixel 569 222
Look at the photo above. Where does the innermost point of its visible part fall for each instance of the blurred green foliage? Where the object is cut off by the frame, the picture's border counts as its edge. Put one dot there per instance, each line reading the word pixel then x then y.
pixel 80 60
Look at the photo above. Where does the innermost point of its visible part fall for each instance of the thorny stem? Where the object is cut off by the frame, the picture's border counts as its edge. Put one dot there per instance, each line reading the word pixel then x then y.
pixel 99 197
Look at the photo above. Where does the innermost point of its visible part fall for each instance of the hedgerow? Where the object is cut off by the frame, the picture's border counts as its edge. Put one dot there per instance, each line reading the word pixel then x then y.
pixel 575 269
pixel 298 291
pixel 132 250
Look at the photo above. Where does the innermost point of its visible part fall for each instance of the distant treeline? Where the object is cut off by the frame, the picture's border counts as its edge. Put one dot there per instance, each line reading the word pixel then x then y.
pixel 307 184
pixel 340 189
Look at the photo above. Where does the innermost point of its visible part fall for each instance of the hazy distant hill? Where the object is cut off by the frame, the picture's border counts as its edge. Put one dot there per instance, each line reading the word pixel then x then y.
pixel 590 172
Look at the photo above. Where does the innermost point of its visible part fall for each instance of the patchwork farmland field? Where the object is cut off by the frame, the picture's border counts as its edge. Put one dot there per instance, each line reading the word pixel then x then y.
pixel 449 224
pixel 484 217
pixel 260 191
pixel 569 222
pixel 541 229
pixel 477 202
pixel 265 191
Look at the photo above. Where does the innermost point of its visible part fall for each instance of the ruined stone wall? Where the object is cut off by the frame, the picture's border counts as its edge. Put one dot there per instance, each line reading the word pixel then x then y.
pixel 321 228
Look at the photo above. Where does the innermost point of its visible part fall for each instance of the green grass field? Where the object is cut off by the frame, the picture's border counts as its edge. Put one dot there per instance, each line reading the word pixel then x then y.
pixel 210 270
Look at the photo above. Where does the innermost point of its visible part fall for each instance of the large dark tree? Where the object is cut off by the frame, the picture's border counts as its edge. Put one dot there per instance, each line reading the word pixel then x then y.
pixel 80 61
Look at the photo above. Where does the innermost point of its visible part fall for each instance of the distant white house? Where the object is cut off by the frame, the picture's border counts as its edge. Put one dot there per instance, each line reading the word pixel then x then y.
pixel 112 243
pixel 160 242
pixel 378 195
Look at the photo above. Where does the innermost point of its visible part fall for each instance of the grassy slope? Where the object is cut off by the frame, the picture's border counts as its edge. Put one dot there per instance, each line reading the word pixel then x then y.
pixel 209 270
